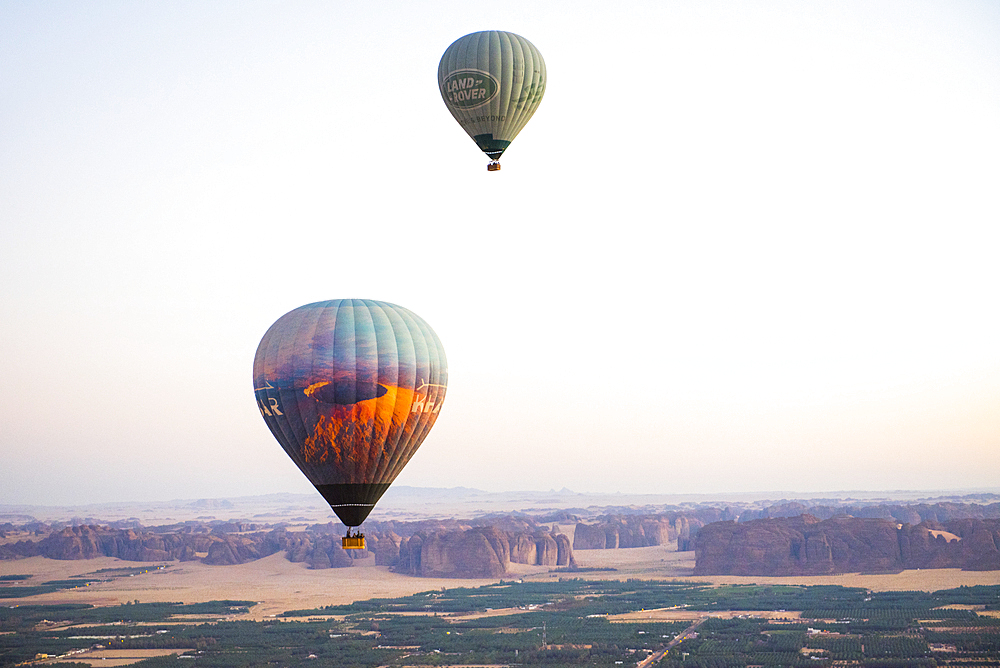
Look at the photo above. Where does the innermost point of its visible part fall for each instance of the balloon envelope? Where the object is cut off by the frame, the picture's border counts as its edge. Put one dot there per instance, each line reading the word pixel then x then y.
pixel 350 389
pixel 492 83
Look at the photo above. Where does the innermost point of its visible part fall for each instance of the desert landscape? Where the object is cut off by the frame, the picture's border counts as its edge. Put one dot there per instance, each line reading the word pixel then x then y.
pixel 482 579
pixel 279 585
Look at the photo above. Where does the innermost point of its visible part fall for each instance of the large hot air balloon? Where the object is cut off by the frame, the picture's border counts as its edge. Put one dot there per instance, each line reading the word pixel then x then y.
pixel 350 388
pixel 492 82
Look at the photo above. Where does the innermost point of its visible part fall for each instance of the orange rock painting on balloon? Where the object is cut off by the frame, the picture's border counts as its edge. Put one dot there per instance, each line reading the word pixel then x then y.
pixel 359 439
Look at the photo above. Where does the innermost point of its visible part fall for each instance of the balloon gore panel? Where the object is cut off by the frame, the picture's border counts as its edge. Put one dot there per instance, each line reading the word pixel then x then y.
pixel 350 389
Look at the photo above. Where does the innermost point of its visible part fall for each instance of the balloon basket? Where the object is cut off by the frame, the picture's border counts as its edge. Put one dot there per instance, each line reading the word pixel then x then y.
pixel 353 543
pixel 493 166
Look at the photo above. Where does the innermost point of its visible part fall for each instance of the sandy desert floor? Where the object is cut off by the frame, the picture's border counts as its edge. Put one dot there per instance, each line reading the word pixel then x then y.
pixel 276 583
pixel 111 658
pixel 279 585
pixel 673 615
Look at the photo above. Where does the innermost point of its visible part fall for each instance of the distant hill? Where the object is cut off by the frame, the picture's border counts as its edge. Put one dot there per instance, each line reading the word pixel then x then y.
pixel 403 503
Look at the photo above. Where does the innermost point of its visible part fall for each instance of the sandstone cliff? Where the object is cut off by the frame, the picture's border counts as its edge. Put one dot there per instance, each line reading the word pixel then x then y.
pixel 805 545
pixel 635 531
pixel 480 552
pixel 87 542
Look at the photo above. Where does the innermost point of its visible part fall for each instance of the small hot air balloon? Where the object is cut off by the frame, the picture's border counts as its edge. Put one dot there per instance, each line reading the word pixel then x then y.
pixel 350 388
pixel 492 82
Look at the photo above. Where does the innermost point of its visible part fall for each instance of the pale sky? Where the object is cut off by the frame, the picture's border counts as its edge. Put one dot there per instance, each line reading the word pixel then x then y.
pixel 741 246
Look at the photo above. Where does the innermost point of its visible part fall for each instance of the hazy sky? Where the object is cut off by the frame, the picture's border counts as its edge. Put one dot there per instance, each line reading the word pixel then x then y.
pixel 741 246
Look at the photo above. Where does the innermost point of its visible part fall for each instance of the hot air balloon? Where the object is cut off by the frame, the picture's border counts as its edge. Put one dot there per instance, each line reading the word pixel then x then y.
pixel 350 388
pixel 492 82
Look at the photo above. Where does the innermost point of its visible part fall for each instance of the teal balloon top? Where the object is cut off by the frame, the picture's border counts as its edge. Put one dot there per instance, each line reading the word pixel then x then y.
pixel 492 82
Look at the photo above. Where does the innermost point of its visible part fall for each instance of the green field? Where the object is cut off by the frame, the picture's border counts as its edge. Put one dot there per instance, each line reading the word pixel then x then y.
pixel 503 624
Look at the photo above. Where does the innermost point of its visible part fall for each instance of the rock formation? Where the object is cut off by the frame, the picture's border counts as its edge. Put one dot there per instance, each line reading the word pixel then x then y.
pixel 476 553
pixel 241 549
pixel 632 531
pixel 480 552
pixel 805 545
pixel 386 548
pixel 564 551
